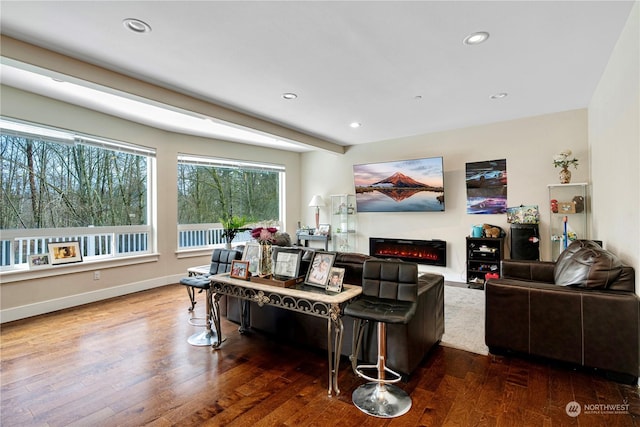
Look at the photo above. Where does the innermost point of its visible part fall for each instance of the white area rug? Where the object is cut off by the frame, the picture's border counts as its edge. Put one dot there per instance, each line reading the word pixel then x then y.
pixel 464 319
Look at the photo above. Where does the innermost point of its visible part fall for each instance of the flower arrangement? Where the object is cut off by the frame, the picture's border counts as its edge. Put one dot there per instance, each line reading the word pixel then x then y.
pixel 563 160
pixel 269 235
pixel 265 235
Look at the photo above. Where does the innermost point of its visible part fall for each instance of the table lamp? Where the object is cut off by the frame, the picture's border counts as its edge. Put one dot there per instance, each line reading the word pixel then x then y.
pixel 316 202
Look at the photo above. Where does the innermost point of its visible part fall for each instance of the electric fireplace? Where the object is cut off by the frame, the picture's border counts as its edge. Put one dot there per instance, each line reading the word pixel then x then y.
pixel 429 252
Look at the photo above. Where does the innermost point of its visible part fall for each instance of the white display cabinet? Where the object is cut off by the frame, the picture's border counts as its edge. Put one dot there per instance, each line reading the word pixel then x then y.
pixel 343 222
pixel 568 215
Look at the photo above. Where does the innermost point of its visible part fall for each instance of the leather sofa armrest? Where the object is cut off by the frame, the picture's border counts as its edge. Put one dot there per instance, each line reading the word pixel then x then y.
pixel 611 331
pixel 535 271
pixel 507 315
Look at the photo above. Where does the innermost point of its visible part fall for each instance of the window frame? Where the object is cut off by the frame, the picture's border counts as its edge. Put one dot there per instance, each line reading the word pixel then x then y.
pixel 215 229
pixel 27 237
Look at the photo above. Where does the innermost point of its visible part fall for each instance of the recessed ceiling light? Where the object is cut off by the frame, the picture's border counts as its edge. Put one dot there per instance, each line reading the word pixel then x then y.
pixel 355 125
pixel 499 95
pixel 289 95
pixel 476 38
pixel 136 25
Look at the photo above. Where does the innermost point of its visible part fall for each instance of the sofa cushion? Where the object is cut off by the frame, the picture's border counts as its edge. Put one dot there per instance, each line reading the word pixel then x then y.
pixel 585 264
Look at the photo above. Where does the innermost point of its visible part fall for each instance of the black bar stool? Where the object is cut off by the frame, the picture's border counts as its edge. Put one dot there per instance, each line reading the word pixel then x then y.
pixel 389 295
pixel 220 263
pixel 208 336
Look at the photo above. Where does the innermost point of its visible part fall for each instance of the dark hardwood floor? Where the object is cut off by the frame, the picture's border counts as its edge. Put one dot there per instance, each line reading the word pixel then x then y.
pixel 126 362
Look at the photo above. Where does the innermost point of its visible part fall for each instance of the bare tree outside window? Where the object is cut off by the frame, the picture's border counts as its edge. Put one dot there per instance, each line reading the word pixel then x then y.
pixel 51 185
pixel 214 193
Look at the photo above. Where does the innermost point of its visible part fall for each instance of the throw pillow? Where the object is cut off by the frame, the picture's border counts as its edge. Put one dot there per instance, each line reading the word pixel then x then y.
pixel 585 264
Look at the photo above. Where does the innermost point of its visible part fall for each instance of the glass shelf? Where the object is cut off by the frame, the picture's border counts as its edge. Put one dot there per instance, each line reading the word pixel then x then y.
pixel 567 208
pixel 343 222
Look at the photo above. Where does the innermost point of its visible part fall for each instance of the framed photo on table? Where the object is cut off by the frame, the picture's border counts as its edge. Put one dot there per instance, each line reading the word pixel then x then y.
pixel 321 264
pixel 287 263
pixel 239 269
pixel 64 252
pixel 39 261
pixel 324 229
pixel 336 276
pixel 252 253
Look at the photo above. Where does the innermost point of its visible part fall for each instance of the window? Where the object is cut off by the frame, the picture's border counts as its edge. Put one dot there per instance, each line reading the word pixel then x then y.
pixel 210 191
pixel 61 186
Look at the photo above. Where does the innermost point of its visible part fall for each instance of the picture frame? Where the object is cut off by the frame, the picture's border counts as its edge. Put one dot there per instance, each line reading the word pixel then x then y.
pixel 318 274
pixel 252 253
pixel 486 183
pixel 287 263
pixel 336 277
pixel 64 252
pixel 39 260
pixel 324 229
pixel 412 185
pixel 239 269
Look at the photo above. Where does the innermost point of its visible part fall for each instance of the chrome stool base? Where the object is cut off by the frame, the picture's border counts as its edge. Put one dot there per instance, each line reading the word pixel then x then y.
pixel 380 279
pixel 204 338
pixel 198 321
pixel 381 400
pixel 207 337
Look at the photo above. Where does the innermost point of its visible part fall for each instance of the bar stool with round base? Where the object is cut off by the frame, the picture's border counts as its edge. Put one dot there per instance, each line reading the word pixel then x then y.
pixel 208 336
pixel 389 295
pixel 221 260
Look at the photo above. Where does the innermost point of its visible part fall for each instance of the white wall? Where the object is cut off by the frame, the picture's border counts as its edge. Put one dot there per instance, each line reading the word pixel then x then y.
pixel 33 294
pixel 614 142
pixel 527 144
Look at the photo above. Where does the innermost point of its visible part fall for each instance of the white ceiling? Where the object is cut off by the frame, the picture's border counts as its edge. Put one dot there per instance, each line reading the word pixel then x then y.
pixel 347 61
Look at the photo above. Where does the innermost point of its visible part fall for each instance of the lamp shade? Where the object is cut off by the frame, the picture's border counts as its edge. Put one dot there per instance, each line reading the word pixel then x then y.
pixel 316 201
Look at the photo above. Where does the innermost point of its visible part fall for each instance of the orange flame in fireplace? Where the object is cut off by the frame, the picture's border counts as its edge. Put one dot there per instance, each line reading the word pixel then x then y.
pixel 408 253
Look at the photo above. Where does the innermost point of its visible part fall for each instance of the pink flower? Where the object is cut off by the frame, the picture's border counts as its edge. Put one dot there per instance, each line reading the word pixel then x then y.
pixel 264 235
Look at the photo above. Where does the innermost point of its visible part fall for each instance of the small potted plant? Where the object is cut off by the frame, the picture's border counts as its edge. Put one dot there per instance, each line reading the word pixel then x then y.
pixel 232 225
pixel 563 160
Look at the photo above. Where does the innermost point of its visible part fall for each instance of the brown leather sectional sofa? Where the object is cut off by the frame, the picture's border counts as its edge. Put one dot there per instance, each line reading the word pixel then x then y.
pixel 407 344
pixel 583 309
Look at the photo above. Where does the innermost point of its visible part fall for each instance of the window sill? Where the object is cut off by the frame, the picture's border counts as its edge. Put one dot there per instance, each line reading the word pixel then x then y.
pixel 10 276
pixel 193 253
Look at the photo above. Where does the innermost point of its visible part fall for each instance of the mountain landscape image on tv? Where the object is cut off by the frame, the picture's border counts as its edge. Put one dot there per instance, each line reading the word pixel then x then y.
pixel 401 186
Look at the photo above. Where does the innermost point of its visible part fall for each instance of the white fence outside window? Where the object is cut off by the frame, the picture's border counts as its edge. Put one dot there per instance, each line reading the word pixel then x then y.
pixel 95 242
pixel 105 242
pixel 193 236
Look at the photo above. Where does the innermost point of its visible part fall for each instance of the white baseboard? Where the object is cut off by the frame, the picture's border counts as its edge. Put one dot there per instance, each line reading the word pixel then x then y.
pixel 29 310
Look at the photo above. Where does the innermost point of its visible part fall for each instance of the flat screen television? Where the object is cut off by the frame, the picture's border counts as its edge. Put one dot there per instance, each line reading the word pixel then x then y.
pixel 401 186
